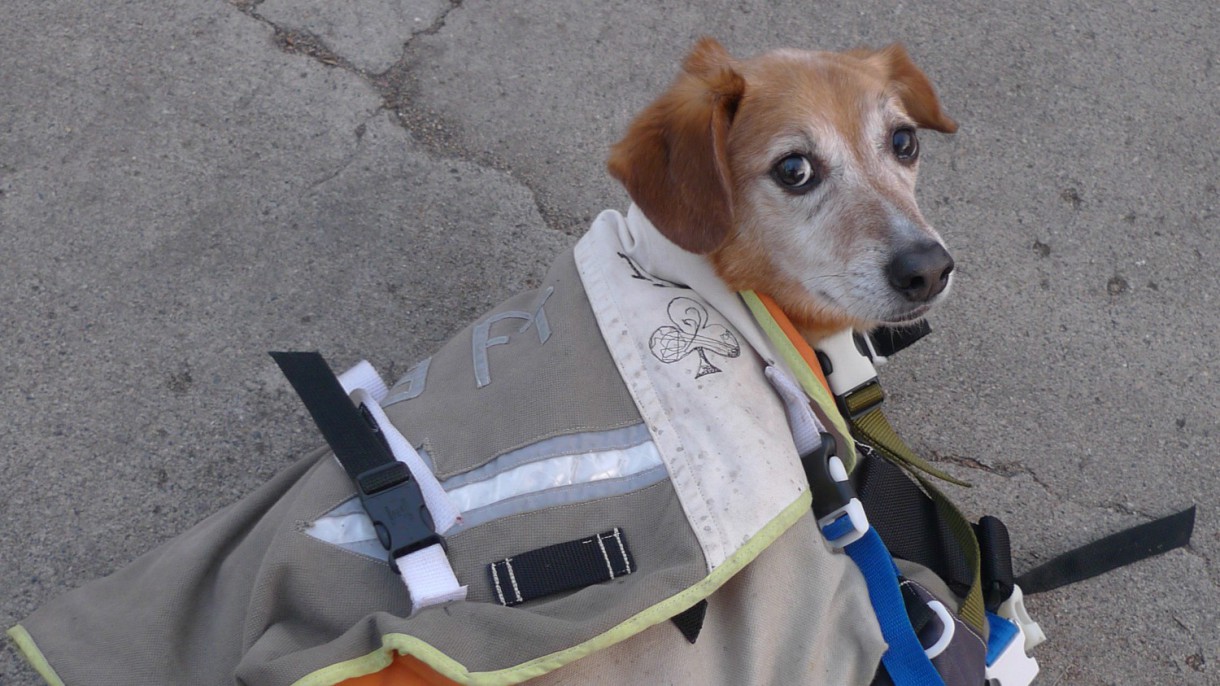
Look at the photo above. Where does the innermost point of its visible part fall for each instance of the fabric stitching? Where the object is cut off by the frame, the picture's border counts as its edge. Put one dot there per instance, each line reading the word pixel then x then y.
pixel 508 564
pixel 622 549
pixel 495 577
pixel 605 555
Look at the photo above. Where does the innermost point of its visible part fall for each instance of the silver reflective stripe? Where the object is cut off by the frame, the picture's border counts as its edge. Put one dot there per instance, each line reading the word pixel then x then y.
pixel 556 471
pixel 566 495
pixel 568 444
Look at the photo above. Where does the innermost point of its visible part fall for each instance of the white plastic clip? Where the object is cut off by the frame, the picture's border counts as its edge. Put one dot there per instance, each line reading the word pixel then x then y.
pixel 1011 667
pixel 946 634
pixel 849 368
pixel 846 524
pixel 1014 610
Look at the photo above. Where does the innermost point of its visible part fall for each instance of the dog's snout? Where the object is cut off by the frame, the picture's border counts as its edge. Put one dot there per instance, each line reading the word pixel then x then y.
pixel 920 272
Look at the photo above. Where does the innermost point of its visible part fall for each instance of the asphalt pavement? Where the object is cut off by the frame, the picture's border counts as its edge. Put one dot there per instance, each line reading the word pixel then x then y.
pixel 187 185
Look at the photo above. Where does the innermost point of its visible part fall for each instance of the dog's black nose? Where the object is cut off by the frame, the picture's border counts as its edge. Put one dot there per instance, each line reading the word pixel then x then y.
pixel 920 272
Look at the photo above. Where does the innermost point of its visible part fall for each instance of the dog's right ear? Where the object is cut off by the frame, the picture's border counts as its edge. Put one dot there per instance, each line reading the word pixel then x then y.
pixel 673 160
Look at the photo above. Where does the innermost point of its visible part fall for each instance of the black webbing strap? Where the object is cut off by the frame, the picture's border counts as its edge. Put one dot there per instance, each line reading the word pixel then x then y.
pixel 1109 553
pixel 909 521
pixel 387 490
pixel 918 610
pixel 561 567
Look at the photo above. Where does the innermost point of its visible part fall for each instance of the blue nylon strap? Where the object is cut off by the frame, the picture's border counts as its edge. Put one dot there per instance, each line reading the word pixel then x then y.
pixel 904 659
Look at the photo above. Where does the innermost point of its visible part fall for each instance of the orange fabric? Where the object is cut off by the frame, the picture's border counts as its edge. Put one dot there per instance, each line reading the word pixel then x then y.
pixel 405 670
pixel 798 341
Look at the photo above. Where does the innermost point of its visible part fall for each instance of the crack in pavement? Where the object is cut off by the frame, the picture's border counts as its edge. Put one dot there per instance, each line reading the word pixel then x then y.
pixel 397 88
pixel 1006 470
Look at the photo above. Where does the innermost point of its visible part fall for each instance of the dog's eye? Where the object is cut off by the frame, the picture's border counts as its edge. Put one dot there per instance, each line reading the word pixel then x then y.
pixel 796 173
pixel 906 145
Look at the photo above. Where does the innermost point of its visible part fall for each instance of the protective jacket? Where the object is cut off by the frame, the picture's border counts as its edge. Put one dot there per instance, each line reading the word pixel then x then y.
pixel 622 407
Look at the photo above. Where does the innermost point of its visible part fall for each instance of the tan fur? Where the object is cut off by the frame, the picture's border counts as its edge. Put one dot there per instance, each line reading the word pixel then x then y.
pixel 673 160
pixel 698 162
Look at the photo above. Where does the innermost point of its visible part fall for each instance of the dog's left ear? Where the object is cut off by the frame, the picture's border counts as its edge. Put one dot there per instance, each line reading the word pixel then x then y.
pixel 673 160
pixel 911 85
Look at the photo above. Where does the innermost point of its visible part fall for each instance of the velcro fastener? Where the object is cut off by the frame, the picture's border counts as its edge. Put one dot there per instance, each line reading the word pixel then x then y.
pixel 561 567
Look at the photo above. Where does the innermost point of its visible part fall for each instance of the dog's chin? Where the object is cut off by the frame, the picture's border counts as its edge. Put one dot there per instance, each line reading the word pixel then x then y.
pixel 909 317
pixel 865 316
pixel 818 314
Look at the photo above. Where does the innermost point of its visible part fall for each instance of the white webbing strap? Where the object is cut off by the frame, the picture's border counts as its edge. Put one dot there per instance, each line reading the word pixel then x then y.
pixel 429 577
pixel 426 572
pixel 362 375
pixel 806 428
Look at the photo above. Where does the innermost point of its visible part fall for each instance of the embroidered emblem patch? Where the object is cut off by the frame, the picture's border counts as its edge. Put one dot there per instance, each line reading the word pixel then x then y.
pixel 692 333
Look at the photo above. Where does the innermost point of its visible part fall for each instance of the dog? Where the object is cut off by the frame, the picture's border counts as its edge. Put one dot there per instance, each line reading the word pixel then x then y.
pixel 795 173
pixel 623 414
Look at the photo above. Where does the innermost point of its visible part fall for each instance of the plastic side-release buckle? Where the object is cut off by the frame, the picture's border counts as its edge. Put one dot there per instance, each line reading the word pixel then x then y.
pixel 1007 663
pixel 839 513
pixel 1013 610
pixel 850 373
pixel 845 365
pixel 397 509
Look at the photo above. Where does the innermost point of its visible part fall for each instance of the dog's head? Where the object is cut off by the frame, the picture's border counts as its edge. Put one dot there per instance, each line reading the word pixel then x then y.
pixel 795 172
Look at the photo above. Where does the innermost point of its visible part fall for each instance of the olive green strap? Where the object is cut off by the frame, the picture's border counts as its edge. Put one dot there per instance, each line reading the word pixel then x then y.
pixel 875 429
pixel 972 610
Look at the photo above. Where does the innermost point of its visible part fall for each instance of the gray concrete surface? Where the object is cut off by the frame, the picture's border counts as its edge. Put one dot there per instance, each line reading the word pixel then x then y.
pixel 186 185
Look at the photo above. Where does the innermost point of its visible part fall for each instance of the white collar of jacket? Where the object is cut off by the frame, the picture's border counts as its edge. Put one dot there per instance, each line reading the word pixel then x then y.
pixel 662 258
pixel 717 423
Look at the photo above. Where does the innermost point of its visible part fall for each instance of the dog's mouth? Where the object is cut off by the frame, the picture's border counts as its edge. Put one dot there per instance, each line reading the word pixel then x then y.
pixel 868 313
pixel 911 316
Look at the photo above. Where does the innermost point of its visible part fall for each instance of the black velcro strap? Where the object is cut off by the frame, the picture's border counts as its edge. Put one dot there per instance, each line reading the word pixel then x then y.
pixel 909 522
pixel 561 567
pixel 1113 551
pixel 995 561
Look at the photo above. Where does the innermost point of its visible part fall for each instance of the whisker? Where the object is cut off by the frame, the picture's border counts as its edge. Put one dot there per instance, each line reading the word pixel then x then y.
pixel 823 277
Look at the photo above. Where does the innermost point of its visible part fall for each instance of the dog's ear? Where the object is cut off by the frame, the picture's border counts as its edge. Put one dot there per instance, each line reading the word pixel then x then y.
pixel 673 160
pixel 911 86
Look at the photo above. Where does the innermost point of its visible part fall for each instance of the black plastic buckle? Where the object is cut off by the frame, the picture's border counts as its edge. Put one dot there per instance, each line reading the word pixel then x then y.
pixel 828 495
pixel 394 502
